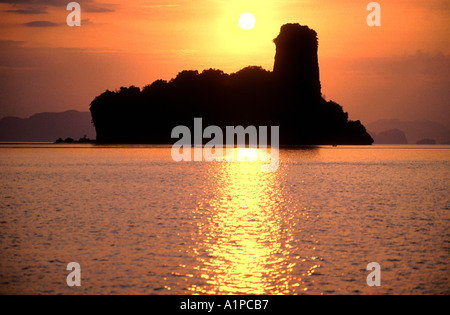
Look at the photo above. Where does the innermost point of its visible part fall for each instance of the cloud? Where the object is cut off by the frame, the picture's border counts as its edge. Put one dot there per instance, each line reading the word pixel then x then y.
pixel 29 6
pixel 86 22
pixel 10 43
pixel 41 2
pixel 40 24
pixel 30 11
pixel 430 67
pixel 100 8
pixel 157 6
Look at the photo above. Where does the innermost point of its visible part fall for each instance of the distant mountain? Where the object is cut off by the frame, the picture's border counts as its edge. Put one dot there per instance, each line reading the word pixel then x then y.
pixel 427 141
pixel 415 131
pixel 47 127
pixel 393 136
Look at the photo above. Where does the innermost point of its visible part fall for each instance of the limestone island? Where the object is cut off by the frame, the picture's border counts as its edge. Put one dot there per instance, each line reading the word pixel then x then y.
pixel 290 97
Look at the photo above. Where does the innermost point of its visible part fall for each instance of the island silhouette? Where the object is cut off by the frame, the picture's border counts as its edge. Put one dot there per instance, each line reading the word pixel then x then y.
pixel 289 97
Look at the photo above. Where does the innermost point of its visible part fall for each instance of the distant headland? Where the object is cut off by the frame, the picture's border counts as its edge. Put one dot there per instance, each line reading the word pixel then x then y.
pixel 289 97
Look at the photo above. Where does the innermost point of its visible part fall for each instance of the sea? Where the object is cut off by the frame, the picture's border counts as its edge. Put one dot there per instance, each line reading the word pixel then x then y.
pixel 137 222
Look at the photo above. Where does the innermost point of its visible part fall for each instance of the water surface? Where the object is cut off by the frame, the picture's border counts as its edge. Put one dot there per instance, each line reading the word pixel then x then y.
pixel 139 223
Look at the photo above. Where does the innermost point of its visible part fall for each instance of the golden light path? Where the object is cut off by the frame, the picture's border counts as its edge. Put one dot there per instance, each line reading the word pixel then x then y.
pixel 245 232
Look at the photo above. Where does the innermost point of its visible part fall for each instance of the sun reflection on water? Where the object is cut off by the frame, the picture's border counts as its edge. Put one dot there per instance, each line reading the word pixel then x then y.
pixel 244 232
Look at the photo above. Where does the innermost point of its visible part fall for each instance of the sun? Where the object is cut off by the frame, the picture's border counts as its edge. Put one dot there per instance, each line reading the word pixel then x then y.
pixel 247 21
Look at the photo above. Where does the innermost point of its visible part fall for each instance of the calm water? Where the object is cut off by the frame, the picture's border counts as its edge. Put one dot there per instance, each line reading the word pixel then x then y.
pixel 139 223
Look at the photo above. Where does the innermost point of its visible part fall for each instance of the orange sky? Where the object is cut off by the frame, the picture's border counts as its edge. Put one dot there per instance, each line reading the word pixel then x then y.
pixel 398 70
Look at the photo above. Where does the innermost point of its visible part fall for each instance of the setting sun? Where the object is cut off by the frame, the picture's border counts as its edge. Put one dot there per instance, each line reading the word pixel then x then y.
pixel 247 21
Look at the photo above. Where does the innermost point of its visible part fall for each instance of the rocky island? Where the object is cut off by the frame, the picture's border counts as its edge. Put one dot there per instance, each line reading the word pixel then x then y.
pixel 289 97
